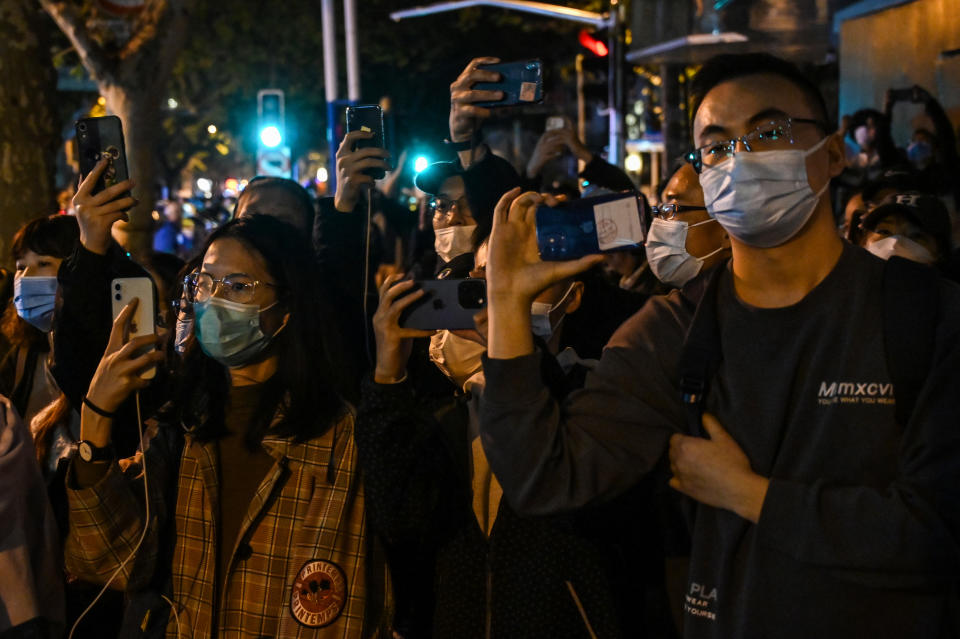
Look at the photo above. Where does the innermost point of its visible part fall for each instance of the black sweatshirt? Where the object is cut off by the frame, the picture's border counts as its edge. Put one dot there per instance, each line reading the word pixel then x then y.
pixel 858 536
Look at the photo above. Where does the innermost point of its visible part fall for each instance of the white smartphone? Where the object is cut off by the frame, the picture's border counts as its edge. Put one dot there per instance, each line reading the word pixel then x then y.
pixel 122 291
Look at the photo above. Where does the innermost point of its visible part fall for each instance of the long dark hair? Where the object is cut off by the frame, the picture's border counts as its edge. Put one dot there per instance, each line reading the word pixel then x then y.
pixel 304 379
pixel 56 236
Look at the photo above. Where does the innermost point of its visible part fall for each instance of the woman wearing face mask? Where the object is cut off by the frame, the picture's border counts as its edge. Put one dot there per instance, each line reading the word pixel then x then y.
pixel 683 239
pixel 252 475
pixel 464 564
pixel 38 248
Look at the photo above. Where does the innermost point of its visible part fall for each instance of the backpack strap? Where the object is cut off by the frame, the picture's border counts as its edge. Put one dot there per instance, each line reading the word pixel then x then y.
pixel 700 355
pixel 911 303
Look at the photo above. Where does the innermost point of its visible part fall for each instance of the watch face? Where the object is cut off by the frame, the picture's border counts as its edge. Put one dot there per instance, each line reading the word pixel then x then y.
pixel 86 452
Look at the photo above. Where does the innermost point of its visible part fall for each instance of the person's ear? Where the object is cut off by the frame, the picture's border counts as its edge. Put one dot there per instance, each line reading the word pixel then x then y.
pixel 836 154
pixel 575 298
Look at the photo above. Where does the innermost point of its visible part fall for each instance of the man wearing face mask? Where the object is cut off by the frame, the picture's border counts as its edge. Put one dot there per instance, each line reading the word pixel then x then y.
pixel 914 226
pixel 822 495
pixel 683 239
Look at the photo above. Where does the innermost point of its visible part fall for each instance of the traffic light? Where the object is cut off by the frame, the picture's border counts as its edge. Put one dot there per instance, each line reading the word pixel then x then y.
pixel 593 44
pixel 273 151
pixel 270 117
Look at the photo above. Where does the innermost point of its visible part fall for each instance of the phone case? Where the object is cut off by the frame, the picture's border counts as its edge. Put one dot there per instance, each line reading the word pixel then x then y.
pixel 446 304
pixel 521 83
pixel 124 289
pixel 368 118
pixel 590 226
pixel 97 137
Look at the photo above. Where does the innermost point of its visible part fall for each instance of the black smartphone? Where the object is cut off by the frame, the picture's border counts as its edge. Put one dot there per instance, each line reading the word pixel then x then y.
pixel 521 83
pixel 591 225
pixel 368 118
pixel 446 304
pixel 102 137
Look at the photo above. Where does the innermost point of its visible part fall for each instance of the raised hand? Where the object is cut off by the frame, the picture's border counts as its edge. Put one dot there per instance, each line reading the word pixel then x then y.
pixel 464 116
pixel 393 341
pixel 516 274
pixel 351 163
pixel 97 213
pixel 117 375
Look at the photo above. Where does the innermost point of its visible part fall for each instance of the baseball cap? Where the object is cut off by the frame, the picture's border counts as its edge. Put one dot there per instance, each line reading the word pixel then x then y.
pixel 926 211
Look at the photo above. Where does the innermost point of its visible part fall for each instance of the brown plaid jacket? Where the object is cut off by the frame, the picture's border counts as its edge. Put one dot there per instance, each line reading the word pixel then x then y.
pixel 297 569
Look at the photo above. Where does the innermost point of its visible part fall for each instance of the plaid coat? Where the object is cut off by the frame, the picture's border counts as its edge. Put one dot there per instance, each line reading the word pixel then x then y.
pixel 298 568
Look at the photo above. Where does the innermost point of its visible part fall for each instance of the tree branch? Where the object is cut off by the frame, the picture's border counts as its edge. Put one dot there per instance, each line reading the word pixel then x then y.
pixel 92 55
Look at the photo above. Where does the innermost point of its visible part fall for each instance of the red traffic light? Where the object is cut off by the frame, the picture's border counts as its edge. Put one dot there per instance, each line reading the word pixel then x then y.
pixel 597 47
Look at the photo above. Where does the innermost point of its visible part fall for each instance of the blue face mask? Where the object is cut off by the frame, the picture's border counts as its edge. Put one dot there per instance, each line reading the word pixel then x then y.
pixel 34 297
pixel 229 332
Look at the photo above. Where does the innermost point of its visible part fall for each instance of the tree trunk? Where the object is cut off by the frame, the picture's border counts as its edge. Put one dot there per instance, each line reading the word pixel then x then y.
pixel 139 110
pixel 29 131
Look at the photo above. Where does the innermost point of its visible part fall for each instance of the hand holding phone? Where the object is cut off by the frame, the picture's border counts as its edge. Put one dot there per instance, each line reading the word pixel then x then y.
pixel 123 291
pixel 368 119
pixel 520 83
pixel 394 343
pixel 102 139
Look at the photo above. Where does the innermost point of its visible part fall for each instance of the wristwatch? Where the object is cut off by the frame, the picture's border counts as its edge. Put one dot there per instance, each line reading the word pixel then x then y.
pixel 90 453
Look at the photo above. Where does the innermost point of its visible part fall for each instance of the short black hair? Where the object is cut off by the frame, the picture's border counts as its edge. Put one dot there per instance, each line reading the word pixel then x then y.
pixel 726 67
pixel 298 193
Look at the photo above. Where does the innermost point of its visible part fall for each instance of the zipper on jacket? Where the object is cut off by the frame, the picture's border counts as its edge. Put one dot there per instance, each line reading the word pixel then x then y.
pixel 583 612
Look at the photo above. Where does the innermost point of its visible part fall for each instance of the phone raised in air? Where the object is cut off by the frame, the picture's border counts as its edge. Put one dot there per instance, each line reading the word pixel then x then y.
pixel 446 304
pixel 102 137
pixel 521 83
pixel 588 226
pixel 368 118
pixel 122 291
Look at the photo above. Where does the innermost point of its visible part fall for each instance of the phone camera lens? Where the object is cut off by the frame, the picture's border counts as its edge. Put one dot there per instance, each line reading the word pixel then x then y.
pixel 81 127
pixel 118 297
pixel 116 287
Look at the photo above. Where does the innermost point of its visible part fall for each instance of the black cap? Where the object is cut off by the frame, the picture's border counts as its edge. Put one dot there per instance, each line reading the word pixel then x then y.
pixel 926 211
pixel 431 178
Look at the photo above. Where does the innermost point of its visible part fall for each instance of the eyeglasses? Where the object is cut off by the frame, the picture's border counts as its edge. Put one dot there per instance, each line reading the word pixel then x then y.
pixel 443 205
pixel 669 211
pixel 236 287
pixel 771 136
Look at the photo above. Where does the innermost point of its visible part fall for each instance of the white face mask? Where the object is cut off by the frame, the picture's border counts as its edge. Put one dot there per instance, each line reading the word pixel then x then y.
pixel 667 255
pixel 540 315
pixel 453 241
pixel 762 198
pixel 456 357
pixel 902 247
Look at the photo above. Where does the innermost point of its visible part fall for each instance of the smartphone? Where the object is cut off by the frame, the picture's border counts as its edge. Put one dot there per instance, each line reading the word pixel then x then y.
pixel 368 118
pixel 122 291
pixel 521 83
pixel 446 304
pixel 588 226
pixel 102 137
pixel 556 122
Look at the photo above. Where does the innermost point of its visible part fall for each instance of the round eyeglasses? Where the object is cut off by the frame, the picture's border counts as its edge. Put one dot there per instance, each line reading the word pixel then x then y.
pixel 236 287
pixel 775 135
pixel 670 210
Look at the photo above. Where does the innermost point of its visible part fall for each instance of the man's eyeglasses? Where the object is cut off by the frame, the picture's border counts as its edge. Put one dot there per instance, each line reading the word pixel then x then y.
pixel 669 211
pixel 236 287
pixel 774 135
pixel 443 205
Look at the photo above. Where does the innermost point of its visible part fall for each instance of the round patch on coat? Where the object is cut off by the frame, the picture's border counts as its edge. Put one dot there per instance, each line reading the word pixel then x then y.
pixel 319 593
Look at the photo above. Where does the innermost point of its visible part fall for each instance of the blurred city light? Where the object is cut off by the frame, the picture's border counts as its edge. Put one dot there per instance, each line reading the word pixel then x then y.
pixel 421 163
pixel 270 136
pixel 212 129
pixel 634 163
pixel 322 175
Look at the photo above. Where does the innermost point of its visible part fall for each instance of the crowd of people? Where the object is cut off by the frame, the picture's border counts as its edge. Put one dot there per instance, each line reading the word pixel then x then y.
pixel 742 428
